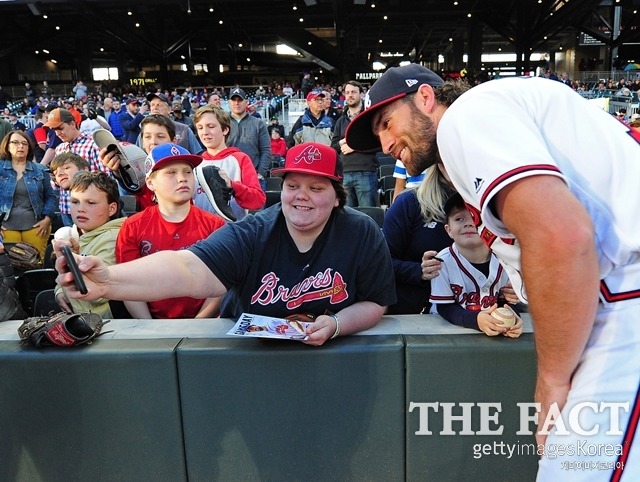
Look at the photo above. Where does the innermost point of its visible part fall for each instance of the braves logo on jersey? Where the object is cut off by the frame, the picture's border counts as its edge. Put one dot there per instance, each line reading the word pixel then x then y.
pixel 309 155
pixel 473 300
pixel 319 286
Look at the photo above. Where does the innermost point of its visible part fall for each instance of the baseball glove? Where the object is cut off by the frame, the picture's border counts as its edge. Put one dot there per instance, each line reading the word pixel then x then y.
pixel 24 257
pixel 61 329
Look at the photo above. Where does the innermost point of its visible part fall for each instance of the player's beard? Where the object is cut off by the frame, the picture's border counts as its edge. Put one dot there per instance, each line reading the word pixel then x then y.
pixel 421 142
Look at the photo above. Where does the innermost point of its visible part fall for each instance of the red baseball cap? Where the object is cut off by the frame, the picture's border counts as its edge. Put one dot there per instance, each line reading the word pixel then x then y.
pixel 314 94
pixel 310 158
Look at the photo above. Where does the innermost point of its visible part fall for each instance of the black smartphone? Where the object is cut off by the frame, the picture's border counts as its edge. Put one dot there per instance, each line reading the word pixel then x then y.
pixel 73 267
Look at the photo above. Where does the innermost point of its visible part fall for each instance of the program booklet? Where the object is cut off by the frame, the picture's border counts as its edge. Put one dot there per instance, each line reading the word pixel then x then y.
pixel 268 327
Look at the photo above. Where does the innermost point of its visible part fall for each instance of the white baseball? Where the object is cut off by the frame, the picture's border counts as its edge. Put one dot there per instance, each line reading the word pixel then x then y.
pixel 505 316
pixel 67 232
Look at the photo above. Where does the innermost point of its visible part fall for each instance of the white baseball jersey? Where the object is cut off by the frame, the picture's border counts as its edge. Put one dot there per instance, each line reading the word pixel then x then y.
pixel 545 128
pixel 509 129
pixel 461 283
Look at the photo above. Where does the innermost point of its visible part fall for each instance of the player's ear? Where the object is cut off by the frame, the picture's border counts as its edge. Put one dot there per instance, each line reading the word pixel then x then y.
pixel 426 98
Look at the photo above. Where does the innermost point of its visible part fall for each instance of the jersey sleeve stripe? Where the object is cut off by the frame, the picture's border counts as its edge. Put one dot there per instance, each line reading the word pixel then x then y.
pixel 515 172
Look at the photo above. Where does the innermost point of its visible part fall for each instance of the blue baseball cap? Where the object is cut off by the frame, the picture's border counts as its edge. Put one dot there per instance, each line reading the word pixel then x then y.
pixel 165 154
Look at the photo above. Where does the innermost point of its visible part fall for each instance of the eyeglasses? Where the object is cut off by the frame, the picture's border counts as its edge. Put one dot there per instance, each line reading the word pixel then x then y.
pixel 19 143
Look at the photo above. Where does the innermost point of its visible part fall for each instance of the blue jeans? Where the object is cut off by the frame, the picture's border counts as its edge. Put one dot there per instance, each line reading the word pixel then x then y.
pixel 361 187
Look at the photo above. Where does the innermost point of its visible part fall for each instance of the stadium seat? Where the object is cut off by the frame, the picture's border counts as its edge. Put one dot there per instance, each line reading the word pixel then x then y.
pixel 385 159
pixel 273 197
pixel 386 186
pixel 45 303
pixel 386 170
pixel 47 261
pixel 32 282
pixel 274 183
pixel 375 212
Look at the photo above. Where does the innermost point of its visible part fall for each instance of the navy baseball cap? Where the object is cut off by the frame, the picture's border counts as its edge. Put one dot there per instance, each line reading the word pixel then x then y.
pixel 310 158
pixel 394 84
pixel 165 154
pixel 238 92
pixel 158 95
pixel 455 201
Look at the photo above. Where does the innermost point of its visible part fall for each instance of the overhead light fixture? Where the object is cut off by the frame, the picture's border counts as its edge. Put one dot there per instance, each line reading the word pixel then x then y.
pixel 359 2
pixel 311 3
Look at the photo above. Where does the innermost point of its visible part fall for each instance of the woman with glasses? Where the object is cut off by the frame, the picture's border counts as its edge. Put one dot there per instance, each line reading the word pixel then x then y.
pixel 26 195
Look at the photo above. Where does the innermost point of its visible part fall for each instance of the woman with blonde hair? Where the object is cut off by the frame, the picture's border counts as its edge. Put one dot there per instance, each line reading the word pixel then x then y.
pixel 414 230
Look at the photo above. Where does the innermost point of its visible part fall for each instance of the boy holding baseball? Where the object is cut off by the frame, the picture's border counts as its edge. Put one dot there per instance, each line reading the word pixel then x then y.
pixel 95 208
pixel 467 290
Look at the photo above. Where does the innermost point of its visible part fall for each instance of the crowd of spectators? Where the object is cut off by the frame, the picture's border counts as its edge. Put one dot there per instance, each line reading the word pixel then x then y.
pixel 329 110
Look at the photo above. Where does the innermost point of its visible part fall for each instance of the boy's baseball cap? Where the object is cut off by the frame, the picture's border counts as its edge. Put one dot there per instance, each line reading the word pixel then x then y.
pixel 394 84
pixel 314 94
pixel 57 117
pixel 131 158
pixel 454 201
pixel 165 154
pixel 310 158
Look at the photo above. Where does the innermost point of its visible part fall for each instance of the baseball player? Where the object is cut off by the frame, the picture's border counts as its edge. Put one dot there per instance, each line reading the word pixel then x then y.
pixel 566 191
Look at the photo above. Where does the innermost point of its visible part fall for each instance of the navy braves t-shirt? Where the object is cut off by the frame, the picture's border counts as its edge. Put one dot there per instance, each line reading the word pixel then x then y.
pixel 258 262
